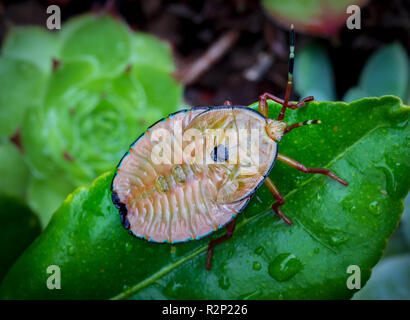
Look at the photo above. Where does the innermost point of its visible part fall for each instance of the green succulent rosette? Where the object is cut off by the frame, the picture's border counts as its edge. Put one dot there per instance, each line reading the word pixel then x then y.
pixel 80 96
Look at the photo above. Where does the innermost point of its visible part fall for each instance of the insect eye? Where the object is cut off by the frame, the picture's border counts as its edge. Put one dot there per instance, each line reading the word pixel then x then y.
pixel 220 153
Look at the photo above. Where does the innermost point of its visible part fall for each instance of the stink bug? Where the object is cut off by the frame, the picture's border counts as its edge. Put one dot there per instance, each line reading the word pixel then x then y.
pixel 168 196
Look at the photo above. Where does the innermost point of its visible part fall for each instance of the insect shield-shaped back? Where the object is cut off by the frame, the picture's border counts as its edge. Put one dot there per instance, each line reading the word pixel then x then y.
pixel 192 172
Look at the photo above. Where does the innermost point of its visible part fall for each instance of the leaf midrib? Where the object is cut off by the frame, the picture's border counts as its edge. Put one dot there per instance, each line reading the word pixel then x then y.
pixel 162 272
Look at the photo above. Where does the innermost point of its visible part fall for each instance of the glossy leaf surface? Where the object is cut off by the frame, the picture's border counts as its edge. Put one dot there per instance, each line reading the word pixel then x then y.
pixel 364 142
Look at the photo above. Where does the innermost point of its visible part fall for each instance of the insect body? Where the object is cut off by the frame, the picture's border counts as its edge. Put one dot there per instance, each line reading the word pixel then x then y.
pixel 203 171
pixel 176 201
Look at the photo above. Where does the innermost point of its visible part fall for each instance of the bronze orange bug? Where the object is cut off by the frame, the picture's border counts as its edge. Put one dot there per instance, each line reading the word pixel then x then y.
pixel 179 201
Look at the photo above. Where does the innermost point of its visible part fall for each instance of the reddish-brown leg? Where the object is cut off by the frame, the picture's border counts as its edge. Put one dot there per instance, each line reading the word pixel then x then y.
pixel 279 201
pixel 263 105
pixel 230 228
pixel 301 167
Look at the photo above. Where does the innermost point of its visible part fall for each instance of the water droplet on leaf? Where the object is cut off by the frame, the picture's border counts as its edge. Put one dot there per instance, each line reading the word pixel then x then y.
pixel 71 250
pixel 259 250
pixel 224 283
pixel 256 266
pixel 374 208
pixel 128 247
pixel 172 288
pixel 337 240
pixel 284 267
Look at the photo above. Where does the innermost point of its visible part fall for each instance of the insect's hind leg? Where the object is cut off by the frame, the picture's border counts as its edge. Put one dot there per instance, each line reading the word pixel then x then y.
pixel 230 228
pixel 301 167
pixel 280 201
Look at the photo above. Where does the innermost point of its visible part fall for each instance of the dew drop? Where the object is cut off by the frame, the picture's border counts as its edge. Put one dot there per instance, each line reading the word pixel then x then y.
pixel 256 266
pixel 71 250
pixel 284 267
pixel 172 288
pixel 224 283
pixel 391 184
pixel 374 208
pixel 128 246
pixel 337 240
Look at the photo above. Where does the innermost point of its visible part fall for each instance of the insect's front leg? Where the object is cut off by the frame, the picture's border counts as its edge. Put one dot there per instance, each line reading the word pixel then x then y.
pixel 280 201
pixel 263 104
pixel 301 103
pixel 230 228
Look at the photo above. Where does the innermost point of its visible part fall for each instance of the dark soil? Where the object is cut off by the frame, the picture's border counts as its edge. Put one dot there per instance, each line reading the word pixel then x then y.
pixel 253 52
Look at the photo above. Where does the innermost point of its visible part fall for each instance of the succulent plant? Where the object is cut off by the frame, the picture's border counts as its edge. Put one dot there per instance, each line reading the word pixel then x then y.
pixel 80 96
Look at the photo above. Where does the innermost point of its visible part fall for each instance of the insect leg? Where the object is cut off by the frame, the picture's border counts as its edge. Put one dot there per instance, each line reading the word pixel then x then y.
pixel 301 167
pixel 279 200
pixel 263 105
pixel 301 124
pixel 301 103
pixel 212 244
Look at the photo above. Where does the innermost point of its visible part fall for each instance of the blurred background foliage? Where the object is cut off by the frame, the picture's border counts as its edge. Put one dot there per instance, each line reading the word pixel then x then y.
pixel 72 100
pixel 78 97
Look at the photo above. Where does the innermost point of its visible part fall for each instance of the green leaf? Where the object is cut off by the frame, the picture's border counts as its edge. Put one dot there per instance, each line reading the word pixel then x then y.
pixel 63 84
pixel 148 50
pixel 390 280
pixel 386 72
pixel 364 142
pixel 101 38
pixel 156 83
pixel 18 228
pixel 16 85
pixel 314 73
pixel 32 44
pixel 45 196
pixel 74 23
pixel 13 170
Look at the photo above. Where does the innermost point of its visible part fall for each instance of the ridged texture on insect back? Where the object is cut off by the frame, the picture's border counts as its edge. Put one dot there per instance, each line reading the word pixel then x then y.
pixel 176 202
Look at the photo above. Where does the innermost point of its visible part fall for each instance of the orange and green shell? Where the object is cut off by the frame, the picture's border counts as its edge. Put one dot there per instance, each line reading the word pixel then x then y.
pixel 179 201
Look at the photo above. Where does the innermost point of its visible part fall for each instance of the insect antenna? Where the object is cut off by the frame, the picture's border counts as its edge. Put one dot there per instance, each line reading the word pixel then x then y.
pixel 290 73
pixel 301 124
